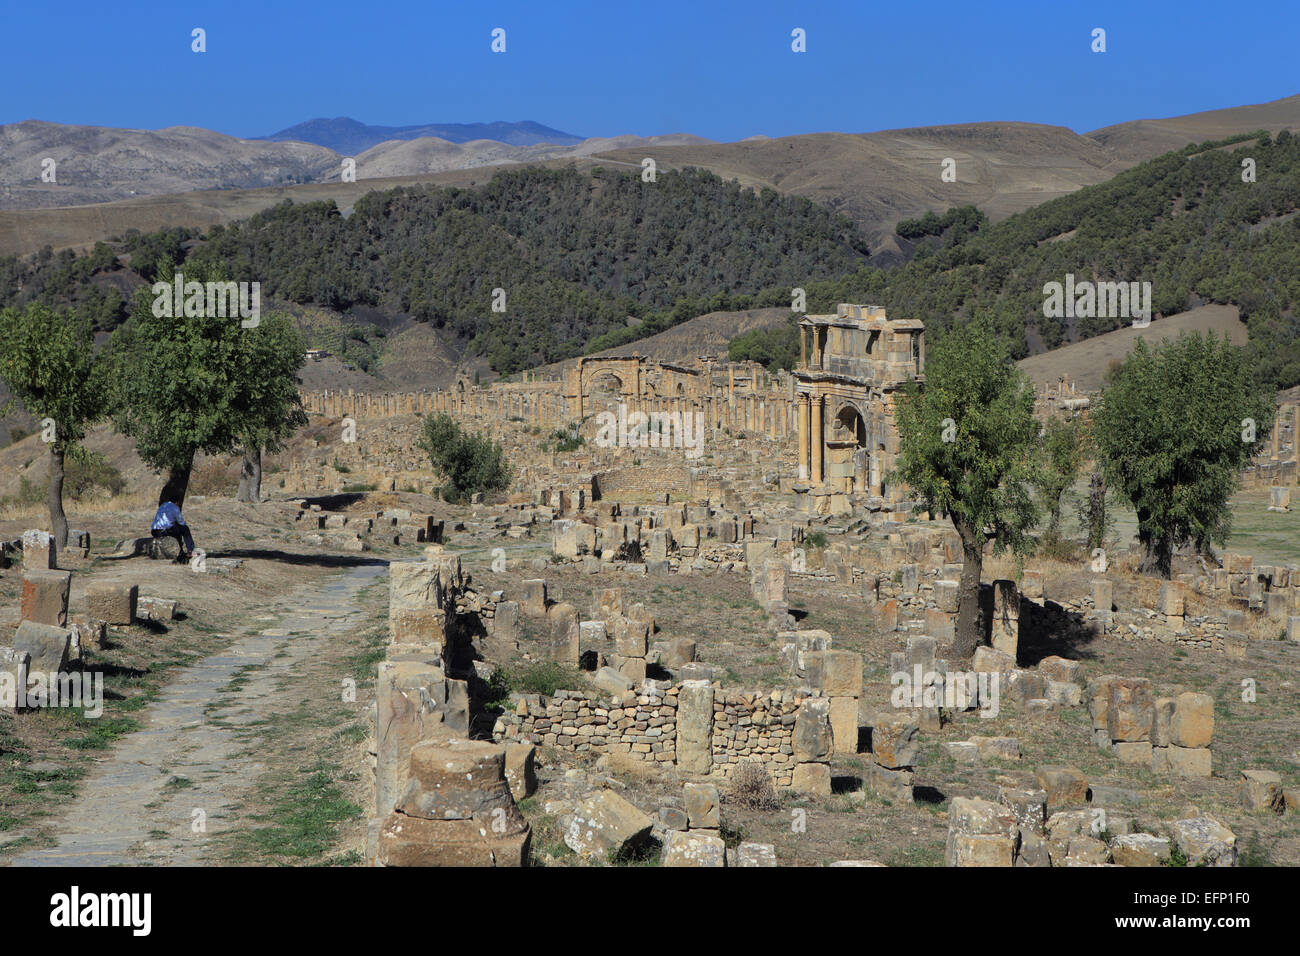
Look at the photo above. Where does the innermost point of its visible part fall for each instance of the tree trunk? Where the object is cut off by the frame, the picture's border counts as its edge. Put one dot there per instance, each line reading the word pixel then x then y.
pixel 58 520
pixel 1157 550
pixel 1096 511
pixel 178 482
pixel 969 633
pixel 250 476
pixel 1157 557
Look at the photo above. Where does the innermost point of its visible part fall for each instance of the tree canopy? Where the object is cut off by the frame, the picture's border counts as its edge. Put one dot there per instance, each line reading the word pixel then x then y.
pixel 1175 425
pixel 967 440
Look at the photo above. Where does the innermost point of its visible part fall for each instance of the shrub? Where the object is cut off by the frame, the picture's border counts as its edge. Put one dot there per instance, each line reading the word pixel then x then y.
pixel 539 677
pixel 563 441
pixel 471 463
pixel 750 786
pixel 87 472
pixel 213 478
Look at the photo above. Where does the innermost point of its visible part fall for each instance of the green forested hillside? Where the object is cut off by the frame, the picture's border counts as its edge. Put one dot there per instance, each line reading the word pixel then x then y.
pixel 574 254
pixel 578 254
pixel 1185 222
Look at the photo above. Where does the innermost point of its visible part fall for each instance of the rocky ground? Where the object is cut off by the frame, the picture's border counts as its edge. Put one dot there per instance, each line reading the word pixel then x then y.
pixel 231 735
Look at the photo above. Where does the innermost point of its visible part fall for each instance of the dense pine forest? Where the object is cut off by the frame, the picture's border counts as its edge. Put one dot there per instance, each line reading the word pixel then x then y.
pixel 587 261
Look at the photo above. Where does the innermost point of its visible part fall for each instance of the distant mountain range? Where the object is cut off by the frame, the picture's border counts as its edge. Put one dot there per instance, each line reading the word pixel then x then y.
pixel 195 177
pixel 347 136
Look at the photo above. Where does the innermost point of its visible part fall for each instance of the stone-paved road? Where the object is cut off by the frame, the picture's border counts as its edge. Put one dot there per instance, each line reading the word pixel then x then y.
pixel 185 759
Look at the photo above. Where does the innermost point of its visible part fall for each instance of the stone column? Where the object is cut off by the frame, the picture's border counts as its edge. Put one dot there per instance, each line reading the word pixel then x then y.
pixel 817 439
pixel 695 727
pixel 802 411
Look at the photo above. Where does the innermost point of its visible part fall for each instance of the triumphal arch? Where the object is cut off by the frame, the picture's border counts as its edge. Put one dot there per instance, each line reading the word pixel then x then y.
pixel 851 368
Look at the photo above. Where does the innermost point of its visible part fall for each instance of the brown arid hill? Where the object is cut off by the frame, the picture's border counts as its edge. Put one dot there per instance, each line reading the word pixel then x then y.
pixel 1087 362
pixel 431 155
pixel 95 164
pixel 1140 140
pixel 705 335
pixel 874 178
pixel 29 459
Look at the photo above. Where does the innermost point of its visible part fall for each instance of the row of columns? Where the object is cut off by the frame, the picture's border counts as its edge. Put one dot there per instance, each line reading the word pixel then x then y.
pixel 810 438
pixel 1282 413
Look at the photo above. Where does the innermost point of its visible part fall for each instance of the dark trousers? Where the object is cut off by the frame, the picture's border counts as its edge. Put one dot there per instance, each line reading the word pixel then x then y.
pixel 180 532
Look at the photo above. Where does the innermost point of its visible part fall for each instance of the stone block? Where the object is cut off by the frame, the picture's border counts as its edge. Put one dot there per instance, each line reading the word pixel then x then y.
pixel 703 806
pixel 113 603
pixel 1192 723
pixel 1171 598
pixel 1130 712
pixel 1140 849
pixel 409 697
pixel 1161 728
pixel 1064 694
pixel 1031 584
pixel 1137 753
pixel 606 824
pixel 1061 669
pixel 1261 791
pixel 673 818
pixel 39 551
pixel 1064 786
pixel 534 600
pixel 814 778
pixel 990 660
pixel 979 849
pixel 44 597
pixel 46 646
pixel 521 769
pixel 836 673
pixel 895 741
pixel 1189 761
pixel 612 681
pixel 813 740
pixel 940 624
pixel 677 652
pixel 694 848
pixel 155 609
pixel 417 600
pixel 1204 841
pixel 1029 807
pixel 631 637
pixel 844 725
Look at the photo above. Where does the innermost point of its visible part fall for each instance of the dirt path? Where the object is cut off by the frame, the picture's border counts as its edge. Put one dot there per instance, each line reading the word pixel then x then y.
pixel 166 790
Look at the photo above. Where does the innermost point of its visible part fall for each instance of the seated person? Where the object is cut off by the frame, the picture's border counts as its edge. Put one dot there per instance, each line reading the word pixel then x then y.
pixel 168 522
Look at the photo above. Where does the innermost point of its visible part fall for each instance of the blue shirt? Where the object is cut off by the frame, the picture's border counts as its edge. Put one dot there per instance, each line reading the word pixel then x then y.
pixel 168 515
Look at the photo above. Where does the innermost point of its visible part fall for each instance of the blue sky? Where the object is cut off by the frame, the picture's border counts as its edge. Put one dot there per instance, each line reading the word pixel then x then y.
pixel 724 70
